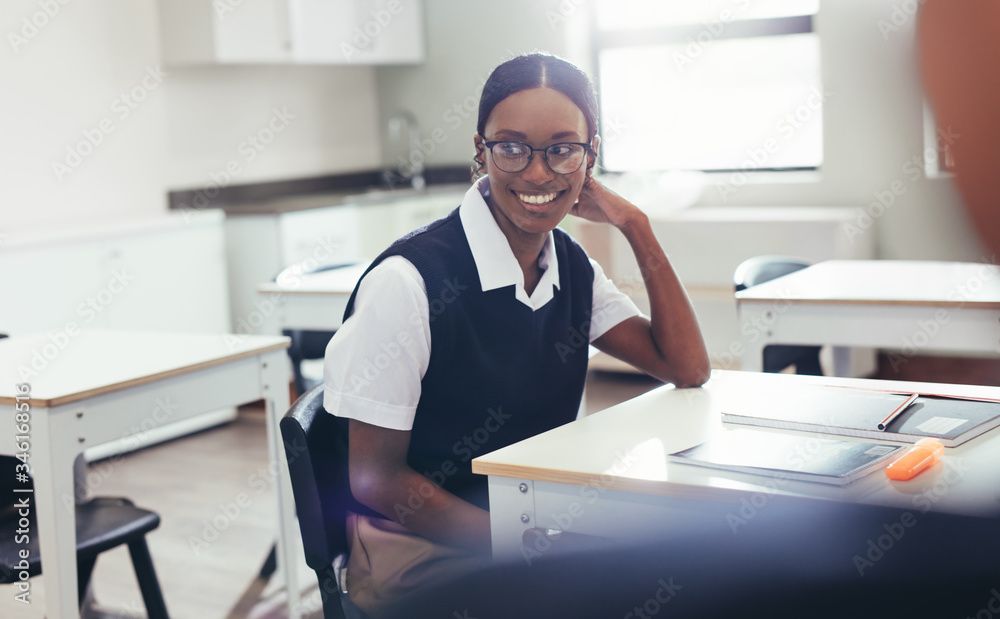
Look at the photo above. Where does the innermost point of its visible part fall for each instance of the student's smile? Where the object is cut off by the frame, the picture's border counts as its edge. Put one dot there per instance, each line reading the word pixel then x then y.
pixel 534 200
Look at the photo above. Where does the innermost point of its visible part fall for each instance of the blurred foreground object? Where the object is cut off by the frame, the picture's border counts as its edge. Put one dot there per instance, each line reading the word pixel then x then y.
pixel 959 47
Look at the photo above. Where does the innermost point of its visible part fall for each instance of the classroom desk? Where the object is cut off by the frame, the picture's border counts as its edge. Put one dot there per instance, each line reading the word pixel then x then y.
pixel 316 301
pixel 95 386
pixel 607 474
pixel 909 306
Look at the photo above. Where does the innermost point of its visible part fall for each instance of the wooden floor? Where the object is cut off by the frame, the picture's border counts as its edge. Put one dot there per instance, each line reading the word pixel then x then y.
pixel 214 496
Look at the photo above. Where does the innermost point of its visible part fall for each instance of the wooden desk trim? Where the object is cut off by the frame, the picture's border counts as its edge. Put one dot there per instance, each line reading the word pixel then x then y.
pixel 36 402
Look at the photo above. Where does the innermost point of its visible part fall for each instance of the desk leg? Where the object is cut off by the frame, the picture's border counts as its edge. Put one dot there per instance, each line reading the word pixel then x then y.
pixel 52 456
pixel 275 384
pixel 512 512
pixel 753 355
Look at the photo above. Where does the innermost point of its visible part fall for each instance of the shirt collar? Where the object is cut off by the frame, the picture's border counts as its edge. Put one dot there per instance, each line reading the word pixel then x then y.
pixel 495 261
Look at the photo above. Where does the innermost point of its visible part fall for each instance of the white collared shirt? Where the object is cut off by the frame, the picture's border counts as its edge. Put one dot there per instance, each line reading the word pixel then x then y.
pixel 373 367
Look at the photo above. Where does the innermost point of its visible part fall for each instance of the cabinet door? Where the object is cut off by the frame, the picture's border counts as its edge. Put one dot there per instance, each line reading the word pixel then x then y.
pixel 251 31
pixel 357 31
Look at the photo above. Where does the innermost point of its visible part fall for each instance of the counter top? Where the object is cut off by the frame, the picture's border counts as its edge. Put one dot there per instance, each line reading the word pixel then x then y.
pixel 285 196
pixel 276 206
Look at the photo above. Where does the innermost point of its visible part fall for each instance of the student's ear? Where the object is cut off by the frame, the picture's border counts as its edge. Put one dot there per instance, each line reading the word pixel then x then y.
pixel 480 158
pixel 595 146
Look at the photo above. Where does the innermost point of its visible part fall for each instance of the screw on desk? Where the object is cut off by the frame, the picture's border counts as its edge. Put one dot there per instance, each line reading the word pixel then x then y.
pixel 523 487
pixel 525 518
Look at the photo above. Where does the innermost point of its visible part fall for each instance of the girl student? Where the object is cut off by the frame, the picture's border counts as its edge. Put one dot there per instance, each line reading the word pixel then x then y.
pixel 471 333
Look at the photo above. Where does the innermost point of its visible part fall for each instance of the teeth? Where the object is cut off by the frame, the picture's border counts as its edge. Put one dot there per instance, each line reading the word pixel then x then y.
pixel 537 199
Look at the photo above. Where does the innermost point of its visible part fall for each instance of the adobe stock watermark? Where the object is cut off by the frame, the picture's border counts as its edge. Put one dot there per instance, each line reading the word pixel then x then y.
pixel 290 278
pixel 925 331
pixel 228 512
pixel 991 609
pixel 88 310
pixel 135 437
pixel 902 13
pixel 566 520
pixel 579 336
pixel 371 29
pixel 247 151
pixel 787 127
pixel 452 118
pixel 464 449
pixel 121 108
pixel 32 25
pixel 657 602
pixel 885 199
pixel 892 533
pixel 711 31
pixel 390 351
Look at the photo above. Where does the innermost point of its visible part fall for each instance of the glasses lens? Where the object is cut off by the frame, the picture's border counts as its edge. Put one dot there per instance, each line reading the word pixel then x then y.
pixel 565 158
pixel 511 156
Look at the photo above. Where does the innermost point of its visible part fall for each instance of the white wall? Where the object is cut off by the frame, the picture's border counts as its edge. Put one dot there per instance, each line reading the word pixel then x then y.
pixel 70 75
pixel 466 39
pixel 873 117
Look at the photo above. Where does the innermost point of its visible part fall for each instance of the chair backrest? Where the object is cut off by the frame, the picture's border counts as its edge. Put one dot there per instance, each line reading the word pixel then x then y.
pixel 760 269
pixel 315 448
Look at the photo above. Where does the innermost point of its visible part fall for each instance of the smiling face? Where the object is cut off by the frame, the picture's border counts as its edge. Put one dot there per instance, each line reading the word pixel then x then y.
pixel 534 200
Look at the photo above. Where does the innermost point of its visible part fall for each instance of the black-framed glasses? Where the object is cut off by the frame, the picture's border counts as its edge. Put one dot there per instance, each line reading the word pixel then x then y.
pixel 562 158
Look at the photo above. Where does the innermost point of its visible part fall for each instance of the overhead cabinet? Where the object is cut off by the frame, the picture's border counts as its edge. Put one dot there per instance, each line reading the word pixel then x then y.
pixel 292 31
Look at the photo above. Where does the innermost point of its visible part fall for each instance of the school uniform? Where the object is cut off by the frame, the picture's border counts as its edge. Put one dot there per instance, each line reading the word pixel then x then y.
pixel 441 339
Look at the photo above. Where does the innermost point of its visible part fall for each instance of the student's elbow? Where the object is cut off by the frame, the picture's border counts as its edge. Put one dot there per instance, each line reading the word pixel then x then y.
pixel 367 486
pixel 694 375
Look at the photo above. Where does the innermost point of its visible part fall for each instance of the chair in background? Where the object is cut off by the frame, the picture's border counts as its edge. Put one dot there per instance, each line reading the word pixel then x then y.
pixel 308 344
pixel 102 523
pixel 777 357
pixel 314 444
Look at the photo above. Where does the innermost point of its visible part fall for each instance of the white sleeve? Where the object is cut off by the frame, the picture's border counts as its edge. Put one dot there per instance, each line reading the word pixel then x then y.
pixel 611 306
pixel 376 360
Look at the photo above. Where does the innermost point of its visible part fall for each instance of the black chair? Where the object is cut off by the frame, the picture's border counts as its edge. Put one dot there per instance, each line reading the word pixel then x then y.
pixel 308 344
pixel 777 357
pixel 314 442
pixel 102 523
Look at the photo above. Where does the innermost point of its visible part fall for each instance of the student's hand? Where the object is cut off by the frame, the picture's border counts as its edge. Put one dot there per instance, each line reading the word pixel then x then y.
pixel 600 204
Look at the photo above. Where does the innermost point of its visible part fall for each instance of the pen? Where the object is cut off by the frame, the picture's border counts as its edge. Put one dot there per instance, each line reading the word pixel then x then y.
pixel 902 407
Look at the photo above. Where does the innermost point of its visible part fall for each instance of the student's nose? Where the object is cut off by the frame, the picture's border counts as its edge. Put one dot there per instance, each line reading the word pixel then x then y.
pixel 538 171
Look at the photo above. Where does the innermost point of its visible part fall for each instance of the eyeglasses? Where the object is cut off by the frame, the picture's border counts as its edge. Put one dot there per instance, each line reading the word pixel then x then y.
pixel 562 158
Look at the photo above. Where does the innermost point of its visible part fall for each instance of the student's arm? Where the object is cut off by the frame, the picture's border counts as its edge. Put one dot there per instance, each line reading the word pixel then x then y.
pixel 668 345
pixel 382 480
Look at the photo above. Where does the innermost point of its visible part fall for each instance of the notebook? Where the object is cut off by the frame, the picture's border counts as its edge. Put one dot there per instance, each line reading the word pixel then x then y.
pixel 857 412
pixel 788 456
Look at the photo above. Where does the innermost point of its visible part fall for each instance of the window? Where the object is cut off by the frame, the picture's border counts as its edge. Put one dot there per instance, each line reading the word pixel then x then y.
pixel 710 85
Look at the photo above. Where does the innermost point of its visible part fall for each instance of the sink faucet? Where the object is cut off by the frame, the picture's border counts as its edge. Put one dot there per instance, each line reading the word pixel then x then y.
pixel 414 161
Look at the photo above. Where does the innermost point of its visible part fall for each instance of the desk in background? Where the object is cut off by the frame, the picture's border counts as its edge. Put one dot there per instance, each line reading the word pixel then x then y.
pixel 98 386
pixel 909 306
pixel 316 301
pixel 607 474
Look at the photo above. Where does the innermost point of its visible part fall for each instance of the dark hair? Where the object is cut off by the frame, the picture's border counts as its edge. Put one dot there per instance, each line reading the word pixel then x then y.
pixel 537 70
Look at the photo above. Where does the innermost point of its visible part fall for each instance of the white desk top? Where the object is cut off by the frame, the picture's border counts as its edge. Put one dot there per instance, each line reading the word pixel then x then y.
pixel 886 282
pixel 625 448
pixel 333 282
pixel 96 362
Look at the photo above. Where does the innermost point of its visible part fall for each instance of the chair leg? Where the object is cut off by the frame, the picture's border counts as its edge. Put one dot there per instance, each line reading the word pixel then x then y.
pixel 270 563
pixel 152 596
pixel 84 568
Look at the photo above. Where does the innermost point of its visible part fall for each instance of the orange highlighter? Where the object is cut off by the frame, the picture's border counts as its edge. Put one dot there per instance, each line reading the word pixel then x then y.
pixel 925 453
